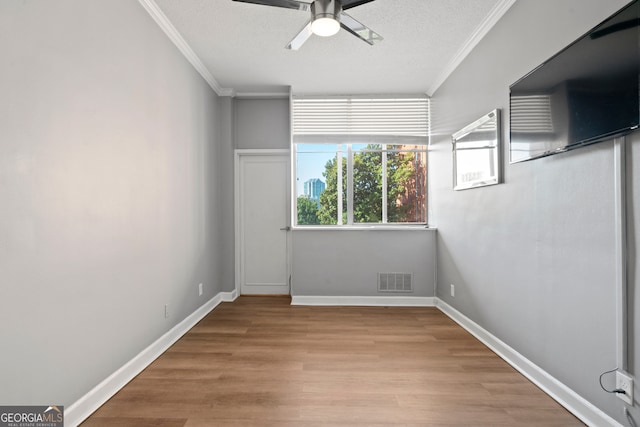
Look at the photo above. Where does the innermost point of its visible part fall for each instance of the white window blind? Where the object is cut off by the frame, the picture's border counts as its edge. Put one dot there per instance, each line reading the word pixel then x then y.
pixel 352 118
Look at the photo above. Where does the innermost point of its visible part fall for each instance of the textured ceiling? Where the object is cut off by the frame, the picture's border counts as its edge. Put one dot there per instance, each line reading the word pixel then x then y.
pixel 242 45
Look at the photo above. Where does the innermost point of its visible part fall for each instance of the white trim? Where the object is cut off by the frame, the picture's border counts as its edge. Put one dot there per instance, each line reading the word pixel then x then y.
pixel 407 227
pixel 163 22
pixel 263 95
pixel 572 401
pixel 621 251
pixel 485 26
pixel 90 402
pixel 229 296
pixel 261 151
pixel 373 301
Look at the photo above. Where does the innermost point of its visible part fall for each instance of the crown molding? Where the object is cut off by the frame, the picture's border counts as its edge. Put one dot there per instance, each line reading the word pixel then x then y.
pixel 485 26
pixel 262 95
pixel 163 22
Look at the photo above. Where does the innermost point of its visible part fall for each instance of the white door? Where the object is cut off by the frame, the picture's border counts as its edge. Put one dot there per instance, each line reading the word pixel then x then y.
pixel 262 196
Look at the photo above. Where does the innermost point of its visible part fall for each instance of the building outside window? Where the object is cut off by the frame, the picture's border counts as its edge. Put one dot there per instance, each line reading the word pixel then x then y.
pixel 313 188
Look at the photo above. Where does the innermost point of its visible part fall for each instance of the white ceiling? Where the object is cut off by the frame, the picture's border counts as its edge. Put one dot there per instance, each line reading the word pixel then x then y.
pixel 240 46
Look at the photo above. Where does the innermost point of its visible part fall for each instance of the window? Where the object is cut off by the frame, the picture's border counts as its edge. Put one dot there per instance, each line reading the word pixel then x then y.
pixel 352 168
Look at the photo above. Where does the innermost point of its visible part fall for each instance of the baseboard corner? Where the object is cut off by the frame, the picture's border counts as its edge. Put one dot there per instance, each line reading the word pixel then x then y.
pixel 229 296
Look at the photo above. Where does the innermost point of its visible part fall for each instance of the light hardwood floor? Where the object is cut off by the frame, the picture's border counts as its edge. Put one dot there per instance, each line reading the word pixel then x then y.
pixel 261 362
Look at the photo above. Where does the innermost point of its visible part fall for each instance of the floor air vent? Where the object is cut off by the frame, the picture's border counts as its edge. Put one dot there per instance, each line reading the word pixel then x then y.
pixel 395 282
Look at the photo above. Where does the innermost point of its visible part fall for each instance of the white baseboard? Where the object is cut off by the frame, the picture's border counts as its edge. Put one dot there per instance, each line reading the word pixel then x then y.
pixel 389 301
pixel 90 402
pixel 229 296
pixel 572 401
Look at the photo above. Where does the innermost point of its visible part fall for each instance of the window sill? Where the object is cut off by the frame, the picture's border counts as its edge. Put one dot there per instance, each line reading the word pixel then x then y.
pixel 418 227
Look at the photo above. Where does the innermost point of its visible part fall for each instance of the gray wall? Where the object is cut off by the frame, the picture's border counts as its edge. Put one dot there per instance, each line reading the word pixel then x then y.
pixel 109 189
pixel 533 258
pixel 346 262
pixel 225 200
pixel 262 123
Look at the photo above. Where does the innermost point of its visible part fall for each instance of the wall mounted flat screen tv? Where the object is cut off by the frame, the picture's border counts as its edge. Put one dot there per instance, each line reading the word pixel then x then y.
pixel 588 92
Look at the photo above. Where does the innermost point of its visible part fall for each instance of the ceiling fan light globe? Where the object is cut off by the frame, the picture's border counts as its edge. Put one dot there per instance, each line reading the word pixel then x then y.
pixel 325 27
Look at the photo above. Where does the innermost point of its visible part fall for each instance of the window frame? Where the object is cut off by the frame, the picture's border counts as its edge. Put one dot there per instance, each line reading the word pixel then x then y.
pixel 347 147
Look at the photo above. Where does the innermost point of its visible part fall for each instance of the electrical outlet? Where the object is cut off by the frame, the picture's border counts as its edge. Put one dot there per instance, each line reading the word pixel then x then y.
pixel 200 289
pixel 166 311
pixel 624 382
pixel 453 290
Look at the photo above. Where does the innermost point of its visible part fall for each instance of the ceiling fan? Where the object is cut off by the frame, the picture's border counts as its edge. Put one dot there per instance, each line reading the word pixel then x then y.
pixel 327 16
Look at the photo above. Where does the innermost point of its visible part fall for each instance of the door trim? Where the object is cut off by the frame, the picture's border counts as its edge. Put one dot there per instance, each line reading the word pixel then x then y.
pixel 239 152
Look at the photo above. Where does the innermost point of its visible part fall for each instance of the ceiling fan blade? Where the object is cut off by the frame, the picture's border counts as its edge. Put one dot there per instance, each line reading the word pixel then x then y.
pixel 301 37
pixel 359 30
pixel 287 4
pixel 348 4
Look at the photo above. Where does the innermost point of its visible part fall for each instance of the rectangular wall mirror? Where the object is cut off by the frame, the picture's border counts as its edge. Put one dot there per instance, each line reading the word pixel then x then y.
pixel 476 153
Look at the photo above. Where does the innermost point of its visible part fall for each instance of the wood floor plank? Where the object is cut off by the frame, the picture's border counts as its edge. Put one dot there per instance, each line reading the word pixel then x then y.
pixel 261 362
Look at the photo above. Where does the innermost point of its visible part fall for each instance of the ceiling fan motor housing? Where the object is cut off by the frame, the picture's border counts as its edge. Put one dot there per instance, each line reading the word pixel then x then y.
pixel 326 9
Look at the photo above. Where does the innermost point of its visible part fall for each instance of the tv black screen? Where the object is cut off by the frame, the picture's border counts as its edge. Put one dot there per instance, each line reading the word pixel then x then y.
pixel 586 93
